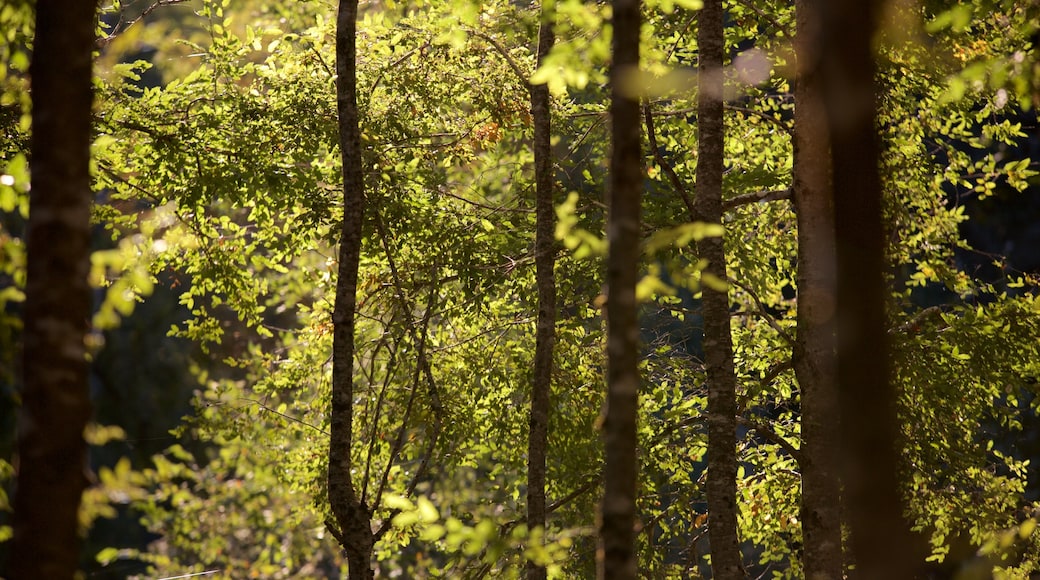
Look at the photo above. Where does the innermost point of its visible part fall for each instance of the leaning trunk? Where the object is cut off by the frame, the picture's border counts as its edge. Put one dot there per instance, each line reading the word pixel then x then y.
pixel 52 454
pixel 617 539
pixel 544 260
pixel 353 520
pixel 814 352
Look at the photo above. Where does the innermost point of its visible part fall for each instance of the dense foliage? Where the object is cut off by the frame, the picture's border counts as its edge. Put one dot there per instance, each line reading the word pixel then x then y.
pixel 217 179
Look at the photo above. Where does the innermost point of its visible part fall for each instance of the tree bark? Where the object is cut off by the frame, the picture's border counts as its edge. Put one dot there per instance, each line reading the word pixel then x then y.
pixel 52 454
pixel 880 538
pixel 814 352
pixel 617 557
pixel 353 519
pixel 545 280
pixel 718 340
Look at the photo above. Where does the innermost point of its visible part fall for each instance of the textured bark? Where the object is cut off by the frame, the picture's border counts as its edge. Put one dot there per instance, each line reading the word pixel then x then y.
pixel 617 557
pixel 545 280
pixel 718 341
pixel 814 353
pixel 880 539
pixel 353 520
pixel 52 454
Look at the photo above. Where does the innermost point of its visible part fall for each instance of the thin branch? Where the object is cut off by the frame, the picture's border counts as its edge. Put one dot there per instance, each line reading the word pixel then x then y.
pixel 918 320
pixel 767 433
pixel 395 64
pixel 651 135
pixel 120 27
pixel 778 122
pixel 771 320
pixel 388 374
pixel 574 494
pixel 422 366
pixel 771 374
pixel 444 191
pixel 507 527
pixel 524 78
pixel 756 197
pixel 282 415
pixel 768 17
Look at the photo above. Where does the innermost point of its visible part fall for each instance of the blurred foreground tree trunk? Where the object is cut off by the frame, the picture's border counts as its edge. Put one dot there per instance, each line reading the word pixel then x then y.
pixel 617 558
pixel 880 538
pixel 52 454
pixel 814 362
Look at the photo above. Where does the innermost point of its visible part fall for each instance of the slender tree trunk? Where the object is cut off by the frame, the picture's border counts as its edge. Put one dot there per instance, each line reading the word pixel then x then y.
pixel 353 520
pixel 814 354
pixel 545 280
pixel 52 454
pixel 880 539
pixel 718 341
pixel 617 558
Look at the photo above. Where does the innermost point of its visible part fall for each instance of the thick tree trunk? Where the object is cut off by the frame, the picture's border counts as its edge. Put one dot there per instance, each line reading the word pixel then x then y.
pixel 617 558
pixel 718 341
pixel 353 519
pixel 880 540
pixel 814 354
pixel 52 454
pixel 545 280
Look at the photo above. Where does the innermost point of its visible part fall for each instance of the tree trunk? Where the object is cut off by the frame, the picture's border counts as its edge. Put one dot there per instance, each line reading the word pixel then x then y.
pixel 718 341
pixel 52 454
pixel 617 558
pixel 353 519
pixel 814 353
pixel 880 539
pixel 545 260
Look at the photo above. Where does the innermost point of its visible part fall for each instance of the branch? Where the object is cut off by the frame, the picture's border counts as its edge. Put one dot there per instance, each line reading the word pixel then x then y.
pixel 778 122
pixel 651 135
pixel 756 197
pixel 765 315
pixel 285 416
pixel 776 24
pixel 507 527
pixel 771 374
pixel 120 27
pixel 914 324
pixel 493 209
pixel 422 367
pixel 525 79
pixel 574 494
pixel 767 433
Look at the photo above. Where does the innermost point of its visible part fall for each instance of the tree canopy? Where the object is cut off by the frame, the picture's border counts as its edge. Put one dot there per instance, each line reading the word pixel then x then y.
pixel 417 288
